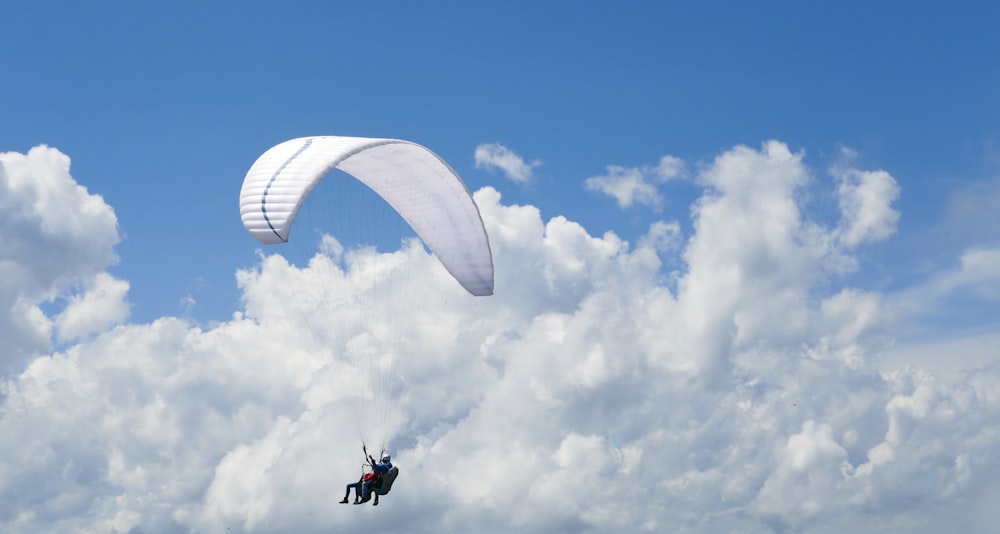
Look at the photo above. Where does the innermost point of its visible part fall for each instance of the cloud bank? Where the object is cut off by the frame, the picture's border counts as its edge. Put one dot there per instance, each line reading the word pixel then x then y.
pixel 593 392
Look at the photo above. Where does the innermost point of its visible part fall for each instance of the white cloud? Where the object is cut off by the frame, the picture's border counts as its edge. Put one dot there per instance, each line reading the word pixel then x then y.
pixel 669 167
pixel 980 269
pixel 583 396
pixel 497 156
pixel 632 185
pixel 976 278
pixel 663 236
pixel 810 464
pixel 866 199
pixel 950 359
pixel 55 234
pixel 100 306
pixel 626 185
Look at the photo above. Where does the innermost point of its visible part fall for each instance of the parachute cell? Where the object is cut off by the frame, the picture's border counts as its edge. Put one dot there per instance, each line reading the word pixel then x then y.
pixel 419 185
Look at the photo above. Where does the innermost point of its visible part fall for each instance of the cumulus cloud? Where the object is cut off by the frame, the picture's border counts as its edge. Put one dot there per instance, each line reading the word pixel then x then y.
pixel 55 235
pixel 584 396
pixel 101 305
pixel 866 199
pixel 636 185
pixel 497 156
pixel 663 236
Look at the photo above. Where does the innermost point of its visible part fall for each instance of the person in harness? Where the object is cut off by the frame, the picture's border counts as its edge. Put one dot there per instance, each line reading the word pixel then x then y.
pixel 378 481
pixel 357 488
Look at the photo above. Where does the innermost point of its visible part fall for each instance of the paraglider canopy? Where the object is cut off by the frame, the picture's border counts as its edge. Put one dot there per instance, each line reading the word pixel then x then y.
pixel 419 185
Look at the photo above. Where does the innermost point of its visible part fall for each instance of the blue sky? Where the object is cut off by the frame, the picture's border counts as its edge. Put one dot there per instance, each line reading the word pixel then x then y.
pixel 866 248
pixel 174 103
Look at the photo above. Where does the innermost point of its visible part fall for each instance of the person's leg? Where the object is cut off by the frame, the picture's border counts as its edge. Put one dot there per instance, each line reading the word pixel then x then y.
pixel 347 492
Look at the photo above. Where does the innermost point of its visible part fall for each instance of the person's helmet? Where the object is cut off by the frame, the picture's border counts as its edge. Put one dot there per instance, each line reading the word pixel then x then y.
pixel 386 458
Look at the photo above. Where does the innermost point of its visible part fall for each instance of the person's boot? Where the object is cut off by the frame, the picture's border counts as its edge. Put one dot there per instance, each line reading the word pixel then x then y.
pixel 344 501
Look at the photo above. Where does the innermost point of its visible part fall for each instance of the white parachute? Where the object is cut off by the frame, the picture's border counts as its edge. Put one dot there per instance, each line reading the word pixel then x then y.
pixel 418 184
pixel 425 192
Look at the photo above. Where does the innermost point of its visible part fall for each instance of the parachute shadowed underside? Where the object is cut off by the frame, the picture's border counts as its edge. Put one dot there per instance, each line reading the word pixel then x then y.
pixel 419 185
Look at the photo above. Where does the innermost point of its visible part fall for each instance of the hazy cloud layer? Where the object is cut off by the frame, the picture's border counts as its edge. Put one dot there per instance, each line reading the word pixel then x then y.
pixel 592 392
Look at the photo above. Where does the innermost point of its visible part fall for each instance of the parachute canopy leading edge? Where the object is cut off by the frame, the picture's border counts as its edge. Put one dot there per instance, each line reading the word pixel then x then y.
pixel 419 185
